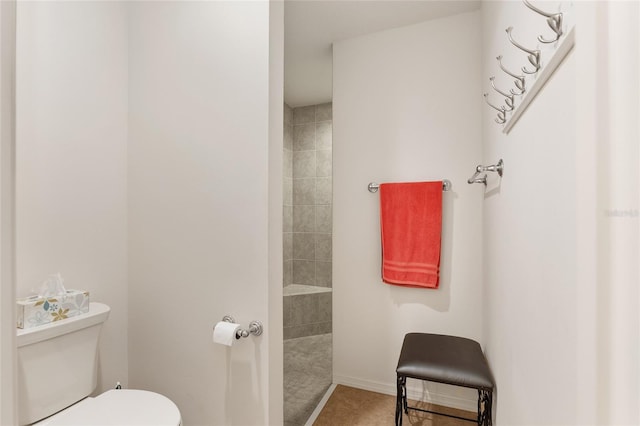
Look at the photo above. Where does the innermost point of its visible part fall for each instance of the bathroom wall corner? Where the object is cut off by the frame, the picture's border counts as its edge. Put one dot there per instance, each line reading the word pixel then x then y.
pixel 8 367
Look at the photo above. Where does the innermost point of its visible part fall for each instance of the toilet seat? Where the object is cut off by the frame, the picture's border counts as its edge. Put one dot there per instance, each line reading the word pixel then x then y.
pixel 122 407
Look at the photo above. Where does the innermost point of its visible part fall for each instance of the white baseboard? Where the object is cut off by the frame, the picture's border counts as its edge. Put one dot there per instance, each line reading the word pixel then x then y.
pixel 435 393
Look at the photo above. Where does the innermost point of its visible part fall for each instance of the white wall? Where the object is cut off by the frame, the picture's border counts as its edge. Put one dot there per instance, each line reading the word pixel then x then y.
pixel 530 267
pixel 198 205
pixel 71 158
pixel 607 217
pixel 406 108
pixel 620 173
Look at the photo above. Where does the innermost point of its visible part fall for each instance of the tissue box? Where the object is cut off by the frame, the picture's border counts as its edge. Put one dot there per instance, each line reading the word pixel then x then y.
pixel 34 311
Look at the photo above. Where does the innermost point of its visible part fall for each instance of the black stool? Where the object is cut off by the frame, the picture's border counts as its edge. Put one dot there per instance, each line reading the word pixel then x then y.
pixel 444 359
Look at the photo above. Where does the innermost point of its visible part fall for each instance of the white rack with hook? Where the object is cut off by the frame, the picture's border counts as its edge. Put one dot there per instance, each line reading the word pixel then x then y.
pixel 543 60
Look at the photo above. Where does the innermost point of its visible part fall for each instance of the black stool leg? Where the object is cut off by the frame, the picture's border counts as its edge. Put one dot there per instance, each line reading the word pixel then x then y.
pixel 399 399
pixel 485 401
pixel 489 408
pixel 404 395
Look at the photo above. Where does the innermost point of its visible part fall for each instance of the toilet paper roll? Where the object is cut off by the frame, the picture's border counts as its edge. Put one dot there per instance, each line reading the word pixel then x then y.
pixel 224 333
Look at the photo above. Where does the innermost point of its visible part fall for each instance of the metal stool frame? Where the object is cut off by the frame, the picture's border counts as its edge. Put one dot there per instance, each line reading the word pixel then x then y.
pixel 485 401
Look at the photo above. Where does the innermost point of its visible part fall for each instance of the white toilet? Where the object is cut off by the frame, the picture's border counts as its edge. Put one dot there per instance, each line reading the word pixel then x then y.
pixel 58 370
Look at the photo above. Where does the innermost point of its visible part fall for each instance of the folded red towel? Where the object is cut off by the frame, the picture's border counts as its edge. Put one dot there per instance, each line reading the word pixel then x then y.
pixel 411 227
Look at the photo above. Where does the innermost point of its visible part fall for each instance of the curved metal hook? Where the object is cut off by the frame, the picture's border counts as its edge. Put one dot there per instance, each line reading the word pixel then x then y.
pixel 540 11
pixel 508 96
pixel 554 20
pixel 534 55
pixel 476 179
pixel 519 82
pixel 502 113
pixel 486 98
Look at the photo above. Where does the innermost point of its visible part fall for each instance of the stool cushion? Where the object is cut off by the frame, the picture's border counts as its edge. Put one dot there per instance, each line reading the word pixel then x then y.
pixel 445 359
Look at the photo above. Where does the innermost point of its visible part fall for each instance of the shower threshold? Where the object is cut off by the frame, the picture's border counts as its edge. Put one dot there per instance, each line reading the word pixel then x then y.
pixel 297 289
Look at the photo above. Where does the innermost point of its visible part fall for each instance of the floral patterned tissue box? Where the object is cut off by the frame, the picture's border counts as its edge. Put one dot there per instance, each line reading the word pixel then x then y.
pixel 34 311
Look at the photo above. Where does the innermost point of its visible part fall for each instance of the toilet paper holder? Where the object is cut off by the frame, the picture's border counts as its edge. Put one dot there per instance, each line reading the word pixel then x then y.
pixel 255 327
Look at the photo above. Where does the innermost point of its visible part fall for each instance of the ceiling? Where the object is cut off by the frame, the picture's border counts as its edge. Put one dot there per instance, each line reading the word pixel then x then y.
pixel 312 26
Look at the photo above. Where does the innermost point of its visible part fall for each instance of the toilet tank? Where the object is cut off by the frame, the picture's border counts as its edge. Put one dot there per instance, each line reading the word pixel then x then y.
pixel 58 363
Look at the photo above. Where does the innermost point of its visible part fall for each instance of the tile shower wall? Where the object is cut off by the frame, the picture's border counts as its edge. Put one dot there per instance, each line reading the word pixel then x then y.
pixel 312 195
pixel 307 220
pixel 287 170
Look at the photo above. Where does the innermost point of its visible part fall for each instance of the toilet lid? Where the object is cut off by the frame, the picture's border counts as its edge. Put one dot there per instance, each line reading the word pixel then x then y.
pixel 122 407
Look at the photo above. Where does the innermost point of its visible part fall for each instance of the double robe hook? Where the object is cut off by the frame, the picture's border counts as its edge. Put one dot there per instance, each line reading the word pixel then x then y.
pixel 497 168
pixel 554 20
pixel 533 54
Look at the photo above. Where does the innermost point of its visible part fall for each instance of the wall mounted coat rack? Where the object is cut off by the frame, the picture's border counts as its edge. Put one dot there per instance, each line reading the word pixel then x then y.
pixel 543 59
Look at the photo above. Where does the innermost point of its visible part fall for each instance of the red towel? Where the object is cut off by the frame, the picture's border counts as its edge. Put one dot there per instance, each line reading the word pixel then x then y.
pixel 411 226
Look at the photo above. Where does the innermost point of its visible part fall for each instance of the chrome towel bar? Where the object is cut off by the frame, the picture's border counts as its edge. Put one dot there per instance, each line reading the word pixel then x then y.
pixel 373 187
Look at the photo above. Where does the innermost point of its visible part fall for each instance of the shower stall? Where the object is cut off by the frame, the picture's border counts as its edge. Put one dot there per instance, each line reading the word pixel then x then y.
pixel 307 228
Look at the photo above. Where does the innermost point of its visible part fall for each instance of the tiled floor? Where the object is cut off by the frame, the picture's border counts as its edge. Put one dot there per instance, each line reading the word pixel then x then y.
pixel 356 407
pixel 307 376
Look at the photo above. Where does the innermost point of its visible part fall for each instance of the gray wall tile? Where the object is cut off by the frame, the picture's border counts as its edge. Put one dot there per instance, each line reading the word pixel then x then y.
pixel 323 274
pixel 324 307
pixel 304 164
pixel 323 190
pixel 322 328
pixel 306 309
pixel 287 164
pixel 286 310
pixel 310 308
pixel 304 191
pixel 303 115
pixel 323 163
pixel 294 333
pixel 304 272
pixel 296 311
pixel 288 137
pixel 324 136
pixel 287 191
pixel 304 137
pixel 304 246
pixel 287 219
pixel 287 243
pixel 323 247
pixel 287 272
pixel 324 112
pixel 307 330
pixel 304 218
pixel 323 219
